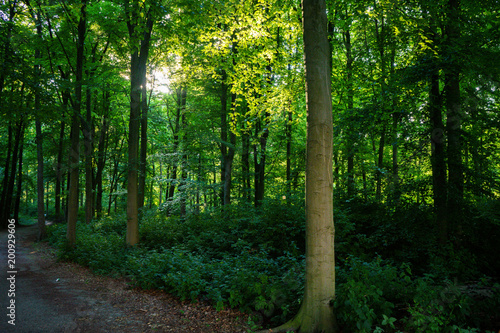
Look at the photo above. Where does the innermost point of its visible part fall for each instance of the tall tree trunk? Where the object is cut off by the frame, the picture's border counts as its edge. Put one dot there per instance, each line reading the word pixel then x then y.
pixel 101 158
pixel 396 192
pixel 351 131
pixel 59 173
pixel 4 215
pixel 12 168
pixel 259 157
pixel 223 134
pixel 74 158
pixel 138 64
pixel 454 117
pixel 19 179
pixel 4 72
pixel 144 147
pixel 288 134
pixel 438 162
pixel 245 164
pixel 42 234
pixel 316 311
pixel 181 100
pixel 39 138
pixel 113 185
pixel 133 149
pixel 228 159
pixel 380 162
pixel 87 127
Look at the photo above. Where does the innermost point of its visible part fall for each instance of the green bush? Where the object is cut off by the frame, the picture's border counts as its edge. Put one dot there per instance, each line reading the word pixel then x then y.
pixel 253 260
pixel 438 308
pixel 368 292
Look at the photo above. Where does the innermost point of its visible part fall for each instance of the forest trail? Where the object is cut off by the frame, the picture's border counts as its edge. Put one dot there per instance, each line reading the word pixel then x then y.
pixel 55 297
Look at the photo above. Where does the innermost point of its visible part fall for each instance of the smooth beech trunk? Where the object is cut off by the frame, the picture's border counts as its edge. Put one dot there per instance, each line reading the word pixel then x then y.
pixel 316 313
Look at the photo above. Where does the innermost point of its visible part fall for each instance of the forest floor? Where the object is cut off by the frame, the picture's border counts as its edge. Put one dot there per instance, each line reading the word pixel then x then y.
pixel 52 296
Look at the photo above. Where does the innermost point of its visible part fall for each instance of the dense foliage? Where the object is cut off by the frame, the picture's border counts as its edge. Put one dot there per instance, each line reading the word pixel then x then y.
pixel 253 260
pixel 170 138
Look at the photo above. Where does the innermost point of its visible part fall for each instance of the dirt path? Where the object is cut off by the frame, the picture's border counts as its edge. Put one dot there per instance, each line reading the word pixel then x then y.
pixel 57 297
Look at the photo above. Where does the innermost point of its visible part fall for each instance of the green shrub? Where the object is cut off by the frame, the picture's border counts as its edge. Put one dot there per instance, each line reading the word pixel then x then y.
pixel 438 308
pixel 253 260
pixel 367 293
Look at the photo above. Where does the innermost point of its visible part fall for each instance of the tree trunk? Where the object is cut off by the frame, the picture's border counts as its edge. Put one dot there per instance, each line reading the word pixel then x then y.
pixel 380 162
pixel 454 118
pixel 19 179
pixel 316 312
pixel 39 138
pixel 4 215
pixel 74 158
pixel 88 134
pixel 245 164
pixel 228 159
pixel 144 147
pixel 288 134
pixel 101 158
pixel 259 157
pixel 59 173
pixel 223 134
pixel 351 130
pixel 73 184
pixel 396 192
pixel 438 162
pixel 181 100
pixel 12 174
pixel 42 234
pixel 133 149
pixel 138 63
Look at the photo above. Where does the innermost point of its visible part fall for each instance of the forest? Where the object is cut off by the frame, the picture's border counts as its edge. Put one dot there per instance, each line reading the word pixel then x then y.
pixel 175 143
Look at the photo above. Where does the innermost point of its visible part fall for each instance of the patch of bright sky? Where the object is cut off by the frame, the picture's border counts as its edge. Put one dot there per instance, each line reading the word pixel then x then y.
pixel 160 81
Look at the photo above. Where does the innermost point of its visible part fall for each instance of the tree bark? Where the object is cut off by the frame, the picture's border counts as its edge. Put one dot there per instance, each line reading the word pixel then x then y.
pixel 87 127
pixel 19 179
pixel 12 173
pixel 438 161
pixel 144 147
pixel 42 234
pixel 59 173
pixel 259 157
pixel 245 164
pixel 101 158
pixel 351 130
pixel 380 162
pixel 228 159
pixel 316 312
pixel 223 134
pixel 4 215
pixel 454 117
pixel 74 158
pixel 288 134
pixel 39 138
pixel 138 63
pixel 181 100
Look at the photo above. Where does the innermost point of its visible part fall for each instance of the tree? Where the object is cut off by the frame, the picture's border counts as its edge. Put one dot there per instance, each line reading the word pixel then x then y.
pixel 316 312
pixel 74 158
pixel 140 25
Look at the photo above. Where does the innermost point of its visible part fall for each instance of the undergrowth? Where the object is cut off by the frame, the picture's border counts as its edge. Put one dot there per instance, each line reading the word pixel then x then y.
pixel 254 260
